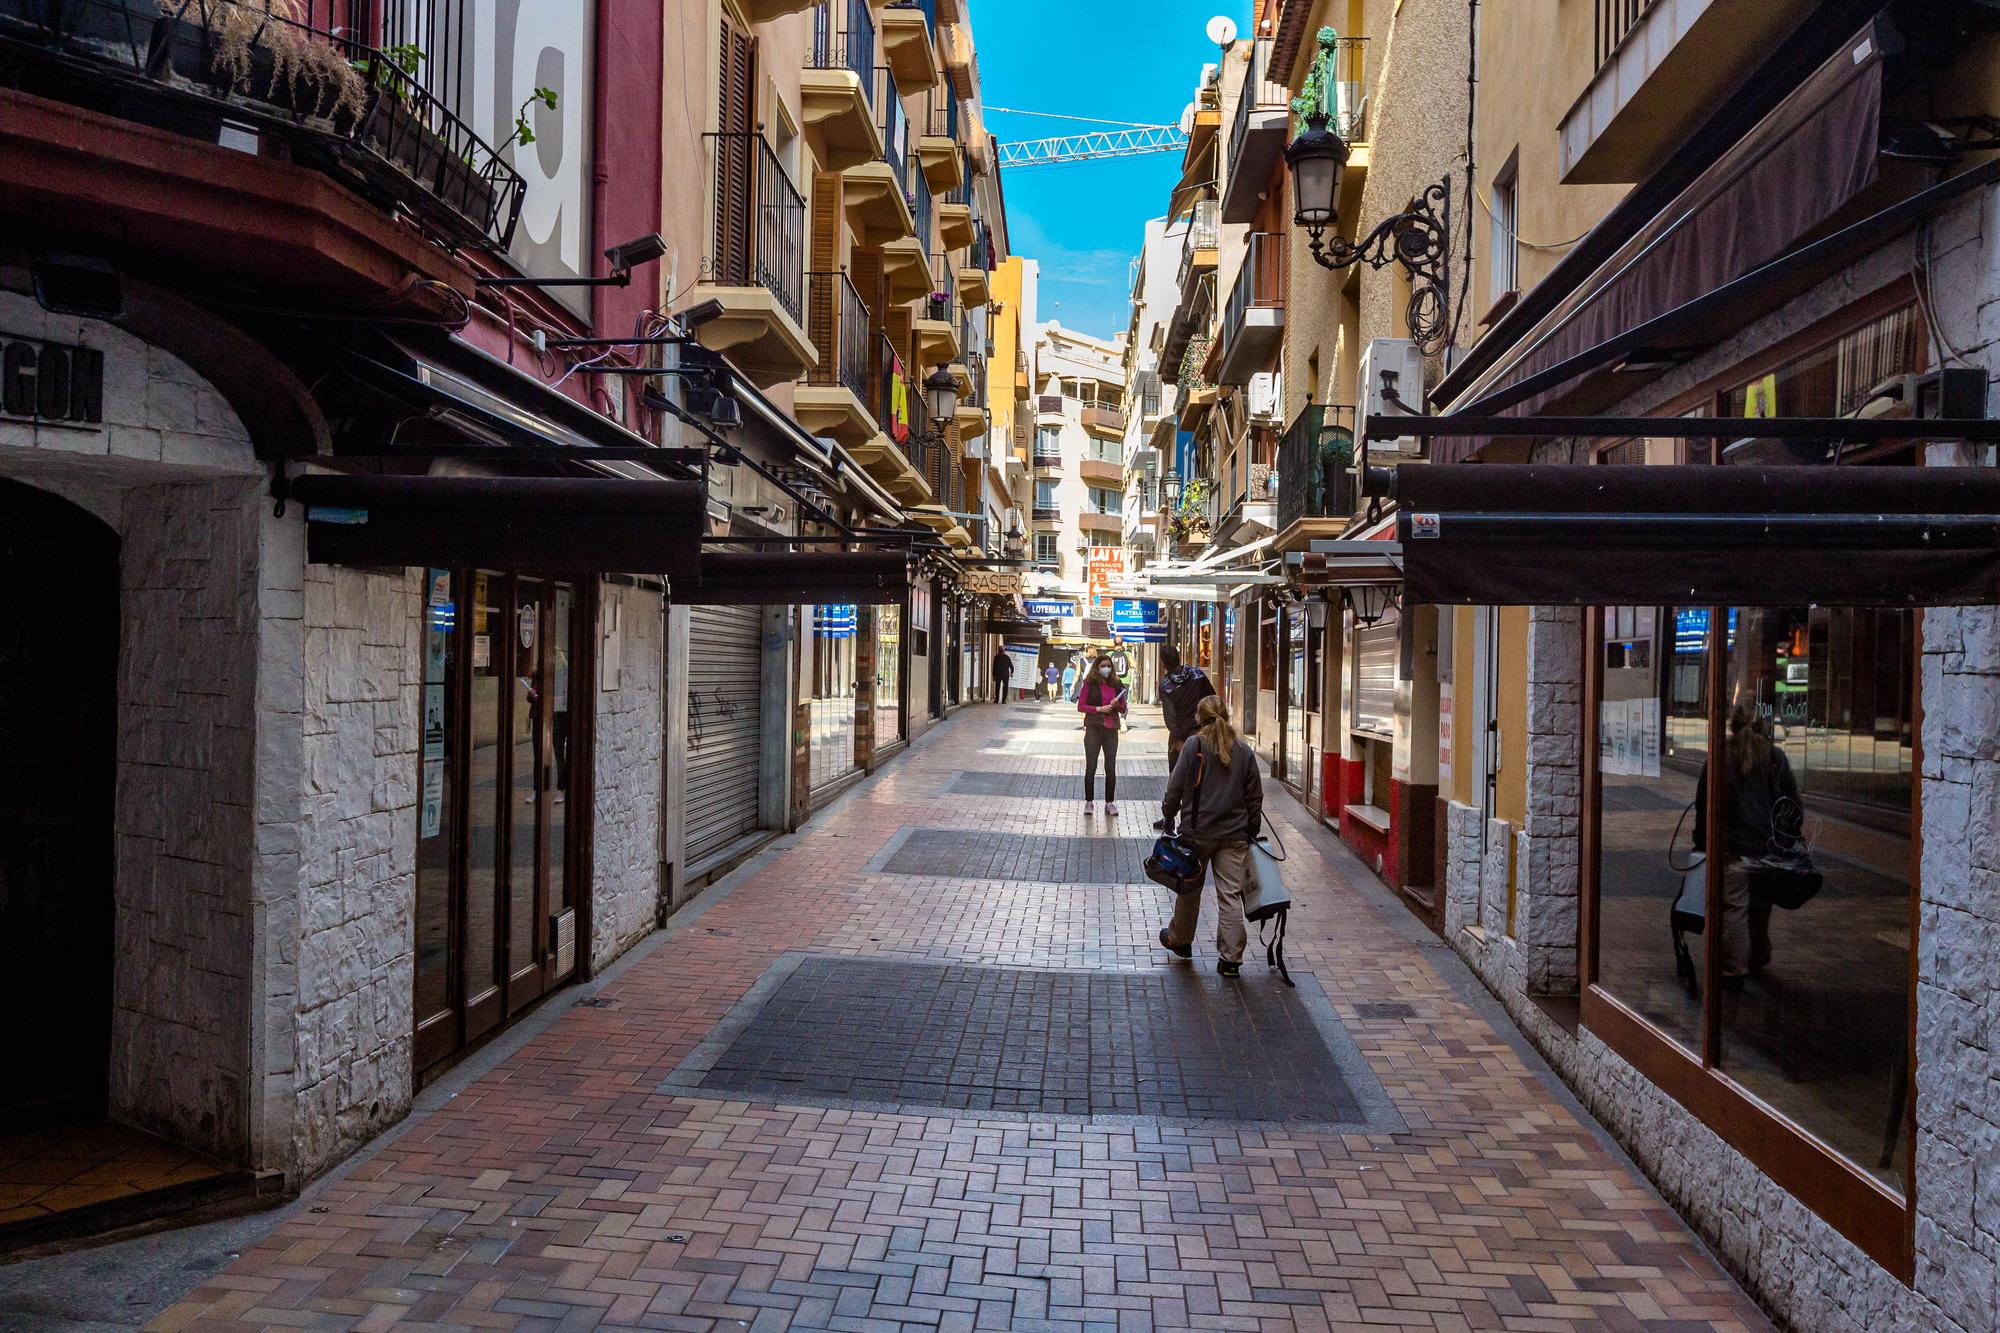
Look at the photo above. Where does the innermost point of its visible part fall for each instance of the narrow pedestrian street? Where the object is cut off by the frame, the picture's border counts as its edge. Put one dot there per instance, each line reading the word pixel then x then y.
pixel 1067 1129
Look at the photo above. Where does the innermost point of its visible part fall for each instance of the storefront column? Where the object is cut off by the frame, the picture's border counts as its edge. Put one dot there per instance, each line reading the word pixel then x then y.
pixel 1546 874
pixel 673 814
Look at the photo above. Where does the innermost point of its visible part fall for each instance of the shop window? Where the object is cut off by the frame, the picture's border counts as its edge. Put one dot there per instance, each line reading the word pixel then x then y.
pixel 1837 377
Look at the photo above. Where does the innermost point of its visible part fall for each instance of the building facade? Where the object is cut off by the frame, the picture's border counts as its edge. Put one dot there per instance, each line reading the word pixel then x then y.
pixel 1078 479
pixel 427 539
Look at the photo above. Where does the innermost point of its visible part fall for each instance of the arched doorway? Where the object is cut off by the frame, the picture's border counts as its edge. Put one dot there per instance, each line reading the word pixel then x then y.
pixel 58 735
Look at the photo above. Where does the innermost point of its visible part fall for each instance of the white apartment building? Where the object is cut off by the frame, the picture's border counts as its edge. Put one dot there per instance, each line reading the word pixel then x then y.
pixel 1078 461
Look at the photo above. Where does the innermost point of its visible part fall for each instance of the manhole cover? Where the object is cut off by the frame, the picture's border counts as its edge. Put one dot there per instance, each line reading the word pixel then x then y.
pixel 1384 1009
pixel 1045 787
pixel 1175 1043
pixel 1043 858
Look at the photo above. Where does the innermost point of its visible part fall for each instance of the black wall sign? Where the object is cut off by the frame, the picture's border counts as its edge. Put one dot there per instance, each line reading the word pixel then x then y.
pixel 49 381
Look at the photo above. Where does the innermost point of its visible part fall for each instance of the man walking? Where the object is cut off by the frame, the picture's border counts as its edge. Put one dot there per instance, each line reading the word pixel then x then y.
pixel 1049 677
pixel 1182 688
pixel 1003 672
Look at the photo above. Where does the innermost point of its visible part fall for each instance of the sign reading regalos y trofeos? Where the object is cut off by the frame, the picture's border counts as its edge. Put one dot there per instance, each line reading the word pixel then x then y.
pixel 53 382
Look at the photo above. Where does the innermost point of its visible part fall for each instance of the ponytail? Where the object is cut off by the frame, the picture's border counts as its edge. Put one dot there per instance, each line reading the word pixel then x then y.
pixel 1212 715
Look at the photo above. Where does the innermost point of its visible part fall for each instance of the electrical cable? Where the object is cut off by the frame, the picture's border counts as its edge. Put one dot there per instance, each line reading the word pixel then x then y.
pixel 1516 237
pixel 1927 300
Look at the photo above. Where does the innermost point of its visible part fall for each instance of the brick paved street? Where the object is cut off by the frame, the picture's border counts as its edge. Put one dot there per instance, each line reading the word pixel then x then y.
pixel 564 1189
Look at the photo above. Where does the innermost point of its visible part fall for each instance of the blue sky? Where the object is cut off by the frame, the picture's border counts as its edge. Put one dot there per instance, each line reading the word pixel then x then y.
pixel 1134 60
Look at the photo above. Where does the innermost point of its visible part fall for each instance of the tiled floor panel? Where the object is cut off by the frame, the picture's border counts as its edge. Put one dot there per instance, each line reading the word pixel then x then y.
pixel 982 854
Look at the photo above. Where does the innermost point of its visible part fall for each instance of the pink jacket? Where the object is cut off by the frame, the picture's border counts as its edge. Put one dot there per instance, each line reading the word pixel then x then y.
pixel 1093 695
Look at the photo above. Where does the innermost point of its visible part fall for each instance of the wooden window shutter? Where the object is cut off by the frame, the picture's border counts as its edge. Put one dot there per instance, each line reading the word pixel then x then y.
pixel 734 122
pixel 824 303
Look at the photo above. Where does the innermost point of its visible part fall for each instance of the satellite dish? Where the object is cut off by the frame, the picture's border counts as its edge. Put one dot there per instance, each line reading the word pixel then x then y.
pixel 1186 121
pixel 1222 30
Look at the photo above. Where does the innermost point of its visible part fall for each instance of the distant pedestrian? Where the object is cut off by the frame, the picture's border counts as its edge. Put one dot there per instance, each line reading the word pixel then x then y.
pixel 1069 680
pixel 1049 675
pixel 1219 796
pixel 1101 700
pixel 1003 674
pixel 1182 688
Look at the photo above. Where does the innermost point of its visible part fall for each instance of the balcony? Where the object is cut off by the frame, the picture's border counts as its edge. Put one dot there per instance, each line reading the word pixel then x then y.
pixel 972 418
pixel 876 194
pixel 954 219
pixel 1107 422
pixel 923 204
pixel 763 11
pixel 896 402
pixel 1102 522
pixel 1199 246
pixel 1257 135
pixel 1046 514
pixel 1190 317
pixel 837 87
pixel 1049 405
pixel 755 269
pixel 834 399
pixel 938 149
pixel 347 122
pixel 1253 323
pixel 1045 459
pixel 1197 393
pixel 907 270
pixel 1103 469
pixel 1662 65
pixel 906 43
pixel 1316 473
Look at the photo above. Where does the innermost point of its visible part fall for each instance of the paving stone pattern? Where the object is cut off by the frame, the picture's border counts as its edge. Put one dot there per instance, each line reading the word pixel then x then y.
pixel 563 1189
pixel 1168 1044
pixel 972 854
pixel 979 782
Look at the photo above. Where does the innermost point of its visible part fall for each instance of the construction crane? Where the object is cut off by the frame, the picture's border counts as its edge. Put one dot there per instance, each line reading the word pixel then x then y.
pixel 1127 139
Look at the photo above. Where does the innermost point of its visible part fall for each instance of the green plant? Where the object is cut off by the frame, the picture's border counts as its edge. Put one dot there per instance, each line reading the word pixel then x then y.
pixel 1315 98
pixel 524 133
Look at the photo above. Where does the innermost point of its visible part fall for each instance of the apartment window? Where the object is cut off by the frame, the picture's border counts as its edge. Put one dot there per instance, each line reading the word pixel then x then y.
pixel 1107 451
pixel 1048 442
pixel 1505 246
pixel 1045 549
pixel 1104 500
pixel 1045 495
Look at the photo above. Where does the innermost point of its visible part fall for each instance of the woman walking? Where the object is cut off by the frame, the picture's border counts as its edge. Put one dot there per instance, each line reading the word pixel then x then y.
pixel 1219 795
pixel 1101 700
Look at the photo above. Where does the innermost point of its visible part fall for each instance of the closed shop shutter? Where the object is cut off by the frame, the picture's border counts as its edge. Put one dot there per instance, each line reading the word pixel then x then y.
pixel 725 727
pixel 1375 679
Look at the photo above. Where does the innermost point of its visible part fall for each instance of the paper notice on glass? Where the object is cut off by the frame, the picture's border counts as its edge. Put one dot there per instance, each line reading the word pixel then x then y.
pixel 433 811
pixel 482 651
pixel 1616 725
pixel 1649 737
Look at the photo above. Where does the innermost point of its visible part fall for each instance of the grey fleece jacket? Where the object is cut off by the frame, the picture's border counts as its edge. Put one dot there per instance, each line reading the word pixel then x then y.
pixel 1229 804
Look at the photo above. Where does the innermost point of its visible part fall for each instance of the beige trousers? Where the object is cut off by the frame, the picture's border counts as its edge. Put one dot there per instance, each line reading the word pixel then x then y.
pixel 1229 870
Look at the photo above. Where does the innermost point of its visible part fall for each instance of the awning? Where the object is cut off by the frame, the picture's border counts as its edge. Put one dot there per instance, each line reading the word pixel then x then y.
pixel 790 434
pixel 1345 563
pixel 560 524
pixel 1018 629
pixel 1810 157
pixel 765 578
pixel 1571 535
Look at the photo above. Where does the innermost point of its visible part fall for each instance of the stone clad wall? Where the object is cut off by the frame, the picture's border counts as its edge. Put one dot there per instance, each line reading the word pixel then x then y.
pixel 187 745
pixel 357 860
pixel 631 727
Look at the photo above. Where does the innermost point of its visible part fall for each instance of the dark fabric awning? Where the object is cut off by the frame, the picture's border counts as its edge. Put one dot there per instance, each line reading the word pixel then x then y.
pixel 1014 629
pixel 1806 161
pixel 560 524
pixel 763 578
pixel 1570 535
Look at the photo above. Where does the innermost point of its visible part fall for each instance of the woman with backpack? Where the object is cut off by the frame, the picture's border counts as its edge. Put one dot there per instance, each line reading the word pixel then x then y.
pixel 1219 795
pixel 1101 700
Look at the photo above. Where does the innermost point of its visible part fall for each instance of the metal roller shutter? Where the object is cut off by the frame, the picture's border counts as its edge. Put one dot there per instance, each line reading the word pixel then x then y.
pixel 725 675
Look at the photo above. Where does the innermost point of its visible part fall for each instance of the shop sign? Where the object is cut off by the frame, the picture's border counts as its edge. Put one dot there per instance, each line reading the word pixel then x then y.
pixel 49 381
pixel 1138 621
pixel 1049 608
pixel 1106 563
pixel 992 583
pixel 834 620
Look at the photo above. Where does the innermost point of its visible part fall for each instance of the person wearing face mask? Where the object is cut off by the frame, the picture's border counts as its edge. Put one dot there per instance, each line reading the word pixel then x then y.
pixel 1101 700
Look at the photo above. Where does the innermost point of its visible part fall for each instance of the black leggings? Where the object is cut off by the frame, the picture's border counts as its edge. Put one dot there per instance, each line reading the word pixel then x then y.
pixel 1100 740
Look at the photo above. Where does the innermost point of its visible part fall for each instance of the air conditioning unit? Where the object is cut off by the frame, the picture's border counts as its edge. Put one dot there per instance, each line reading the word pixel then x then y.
pixel 1390 365
pixel 1264 395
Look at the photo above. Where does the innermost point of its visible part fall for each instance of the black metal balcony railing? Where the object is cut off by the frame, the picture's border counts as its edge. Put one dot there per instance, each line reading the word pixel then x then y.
pixel 980 253
pixel 1149 394
pixel 837 322
pixel 1202 234
pixel 1315 465
pixel 921 207
pixel 944 291
pixel 976 363
pixel 760 221
pixel 1350 89
pixel 1259 92
pixel 895 127
pixel 1615 18
pixel 390 131
pixel 844 38
pixel 1260 283
pixel 941 110
pixel 889 389
pixel 929 8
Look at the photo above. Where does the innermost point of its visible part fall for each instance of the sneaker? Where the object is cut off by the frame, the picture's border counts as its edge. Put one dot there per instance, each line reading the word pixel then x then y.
pixel 1111 807
pixel 1225 968
pixel 1177 950
pixel 1088 808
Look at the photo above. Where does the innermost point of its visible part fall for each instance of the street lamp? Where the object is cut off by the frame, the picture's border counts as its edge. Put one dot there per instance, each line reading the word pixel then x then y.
pixel 941 397
pixel 1368 601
